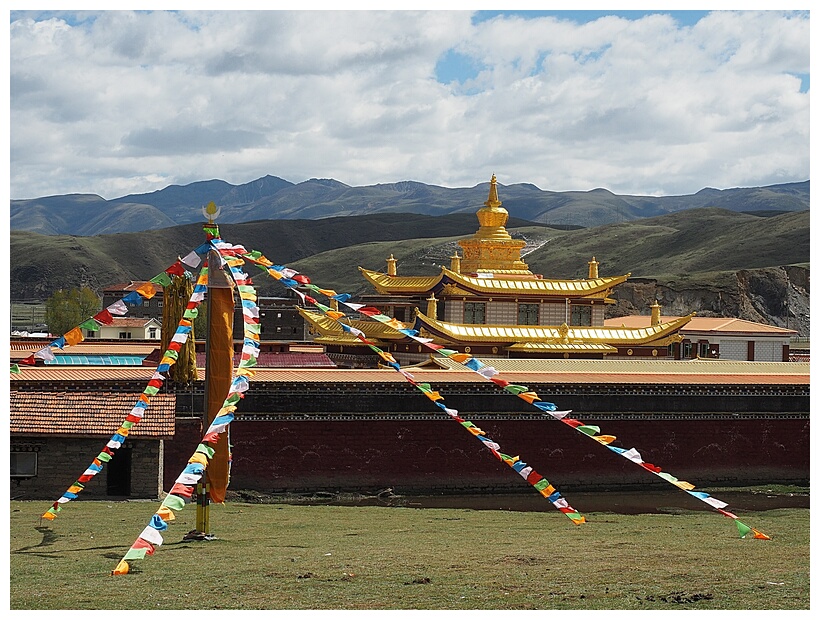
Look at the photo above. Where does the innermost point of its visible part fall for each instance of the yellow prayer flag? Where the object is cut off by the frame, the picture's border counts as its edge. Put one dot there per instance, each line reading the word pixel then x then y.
pixel 460 357
pixel 165 513
pixel 529 396
pixel 604 438
pixel 122 568
pixel 75 336
pixel 147 290
pixel 200 458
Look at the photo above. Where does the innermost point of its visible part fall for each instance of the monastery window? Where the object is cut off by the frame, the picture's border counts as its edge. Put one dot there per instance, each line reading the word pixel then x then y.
pixel 581 315
pixel 528 314
pixel 23 464
pixel 125 335
pixel 152 332
pixel 474 312
pixel 686 349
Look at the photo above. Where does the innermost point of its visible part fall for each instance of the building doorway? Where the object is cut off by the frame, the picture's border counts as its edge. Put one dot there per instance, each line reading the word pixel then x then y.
pixel 119 474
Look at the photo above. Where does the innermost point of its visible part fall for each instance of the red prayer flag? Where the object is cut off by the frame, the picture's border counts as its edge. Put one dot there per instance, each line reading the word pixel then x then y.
pixel 176 269
pixel 29 361
pixel 104 317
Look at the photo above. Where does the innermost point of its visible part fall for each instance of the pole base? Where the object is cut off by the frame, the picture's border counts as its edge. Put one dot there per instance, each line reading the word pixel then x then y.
pixel 197 535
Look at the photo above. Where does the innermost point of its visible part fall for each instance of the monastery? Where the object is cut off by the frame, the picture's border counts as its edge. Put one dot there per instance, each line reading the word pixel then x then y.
pixel 489 303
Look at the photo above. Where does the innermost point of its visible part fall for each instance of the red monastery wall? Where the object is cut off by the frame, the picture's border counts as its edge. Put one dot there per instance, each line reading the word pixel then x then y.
pixel 438 455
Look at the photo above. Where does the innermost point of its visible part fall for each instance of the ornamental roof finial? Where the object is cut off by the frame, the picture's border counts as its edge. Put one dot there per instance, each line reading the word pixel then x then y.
pixel 492 201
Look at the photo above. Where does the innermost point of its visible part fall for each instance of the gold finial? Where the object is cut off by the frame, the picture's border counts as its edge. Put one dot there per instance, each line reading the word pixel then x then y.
pixel 432 306
pixel 391 266
pixel 593 268
pixel 455 263
pixel 492 200
pixel 211 211
pixel 656 313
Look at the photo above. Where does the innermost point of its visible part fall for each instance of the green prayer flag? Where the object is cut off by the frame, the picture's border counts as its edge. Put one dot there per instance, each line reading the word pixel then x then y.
pixel 190 313
pixel 541 484
pixel 254 328
pixel 251 361
pixel 447 352
pixel 150 390
pixel 163 279
pixel 589 430
pixel 207 451
pixel 104 456
pixel 15 369
pixel 91 325
pixel 322 307
pixel 127 424
pixel 174 502
pixel 174 355
pixel 516 389
pixel 135 554
pixel 742 528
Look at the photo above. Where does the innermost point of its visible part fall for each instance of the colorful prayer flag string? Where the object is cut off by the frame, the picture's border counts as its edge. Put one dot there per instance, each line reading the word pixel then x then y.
pixel 292 279
pixel 138 411
pixel 182 491
pixel 491 374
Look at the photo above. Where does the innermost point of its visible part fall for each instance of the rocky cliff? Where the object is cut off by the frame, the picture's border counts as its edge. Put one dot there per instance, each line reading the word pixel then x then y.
pixel 776 296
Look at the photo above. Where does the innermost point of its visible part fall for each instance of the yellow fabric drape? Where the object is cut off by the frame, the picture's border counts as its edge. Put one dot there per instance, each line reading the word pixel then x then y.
pixel 220 374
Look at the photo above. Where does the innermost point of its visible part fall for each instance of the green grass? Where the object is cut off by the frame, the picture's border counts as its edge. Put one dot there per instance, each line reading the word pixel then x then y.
pixel 288 557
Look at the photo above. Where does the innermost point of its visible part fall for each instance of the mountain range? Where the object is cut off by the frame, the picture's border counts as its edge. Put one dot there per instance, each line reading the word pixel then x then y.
pixel 273 198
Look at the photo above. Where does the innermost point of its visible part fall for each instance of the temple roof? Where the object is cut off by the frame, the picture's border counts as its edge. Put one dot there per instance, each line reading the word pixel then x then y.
pixel 520 334
pixel 397 285
pixel 497 286
pixel 534 286
pixel 331 331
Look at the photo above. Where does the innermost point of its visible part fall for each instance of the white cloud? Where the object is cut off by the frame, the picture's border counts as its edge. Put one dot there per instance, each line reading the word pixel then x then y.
pixel 120 102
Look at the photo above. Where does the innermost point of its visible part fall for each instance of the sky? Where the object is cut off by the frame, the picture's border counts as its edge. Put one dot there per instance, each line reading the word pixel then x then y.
pixel 659 102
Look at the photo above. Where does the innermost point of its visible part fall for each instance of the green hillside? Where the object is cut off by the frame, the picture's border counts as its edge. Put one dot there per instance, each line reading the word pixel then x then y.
pixel 676 246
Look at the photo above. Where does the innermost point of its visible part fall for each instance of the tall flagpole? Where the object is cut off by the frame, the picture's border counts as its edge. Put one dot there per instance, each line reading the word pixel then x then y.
pixel 218 377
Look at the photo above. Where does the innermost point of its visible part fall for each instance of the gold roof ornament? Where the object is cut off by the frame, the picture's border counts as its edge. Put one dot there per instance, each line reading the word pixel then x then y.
pixel 491 249
pixel 662 334
pixel 211 212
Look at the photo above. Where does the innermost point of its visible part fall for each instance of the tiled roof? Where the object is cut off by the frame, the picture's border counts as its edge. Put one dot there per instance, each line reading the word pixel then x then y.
pixel 133 285
pixel 282 360
pixel 88 413
pixel 722 325
pixel 88 347
pixel 696 372
pixel 125 321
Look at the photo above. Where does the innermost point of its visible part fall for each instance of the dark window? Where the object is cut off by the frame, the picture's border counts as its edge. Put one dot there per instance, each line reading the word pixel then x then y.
pixel 581 316
pixel 474 312
pixel 528 314
pixel 686 349
pixel 125 335
pixel 23 464
pixel 704 349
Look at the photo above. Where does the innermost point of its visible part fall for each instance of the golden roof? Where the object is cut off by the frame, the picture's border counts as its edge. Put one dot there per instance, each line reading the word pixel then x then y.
pixel 330 330
pixel 393 285
pixel 541 287
pixel 563 334
pixel 457 283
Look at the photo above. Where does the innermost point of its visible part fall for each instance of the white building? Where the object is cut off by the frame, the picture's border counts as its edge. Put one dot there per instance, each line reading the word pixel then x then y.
pixel 128 328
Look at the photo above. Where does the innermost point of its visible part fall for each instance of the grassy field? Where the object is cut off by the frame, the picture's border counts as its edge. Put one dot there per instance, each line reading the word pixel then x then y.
pixel 269 556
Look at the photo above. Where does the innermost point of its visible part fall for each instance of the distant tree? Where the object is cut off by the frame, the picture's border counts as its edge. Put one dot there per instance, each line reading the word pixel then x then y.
pixel 66 309
pixel 175 299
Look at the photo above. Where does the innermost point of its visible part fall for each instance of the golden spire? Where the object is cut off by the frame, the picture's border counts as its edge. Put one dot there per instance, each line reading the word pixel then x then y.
pixel 491 248
pixel 492 200
pixel 593 268
pixel 455 262
pixel 391 266
pixel 492 216
pixel 656 313
pixel 432 306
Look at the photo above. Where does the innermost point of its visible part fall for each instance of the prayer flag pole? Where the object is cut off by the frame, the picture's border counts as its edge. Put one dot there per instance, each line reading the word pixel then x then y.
pixel 218 377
